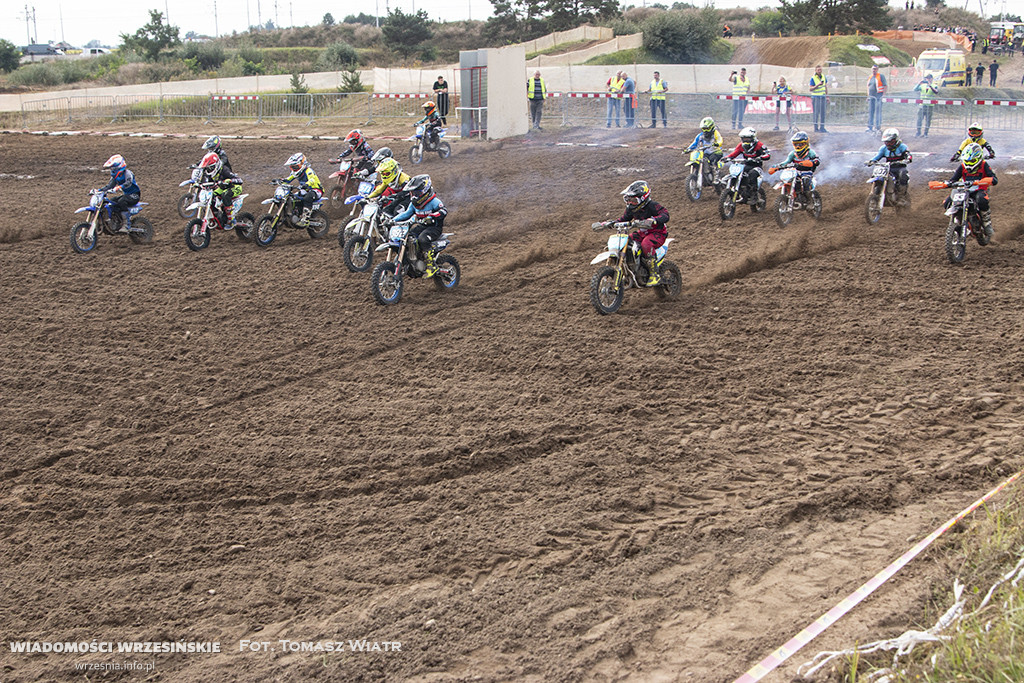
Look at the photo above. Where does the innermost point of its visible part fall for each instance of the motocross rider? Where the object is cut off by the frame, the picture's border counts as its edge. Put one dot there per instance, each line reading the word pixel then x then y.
pixel 122 179
pixel 894 151
pixel 429 213
pixel 973 168
pixel 974 133
pixel 216 171
pixel 433 123
pixel 651 218
pixel 358 145
pixel 711 140
pixel 212 144
pixel 803 158
pixel 309 183
pixel 754 155
pixel 392 181
pixel 380 155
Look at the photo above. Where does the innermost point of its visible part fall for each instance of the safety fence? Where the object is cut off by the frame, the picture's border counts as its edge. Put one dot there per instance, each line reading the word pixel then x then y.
pixel 305 108
pixel 763 112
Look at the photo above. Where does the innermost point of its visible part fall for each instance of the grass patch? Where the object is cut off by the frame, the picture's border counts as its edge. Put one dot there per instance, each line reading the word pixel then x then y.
pixel 721 51
pixel 557 49
pixel 844 49
pixel 622 58
pixel 988 643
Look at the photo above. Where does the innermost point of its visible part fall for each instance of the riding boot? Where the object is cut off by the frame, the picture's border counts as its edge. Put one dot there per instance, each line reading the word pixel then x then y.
pixel 652 269
pixel 986 222
pixel 306 211
pixel 431 267
pixel 125 224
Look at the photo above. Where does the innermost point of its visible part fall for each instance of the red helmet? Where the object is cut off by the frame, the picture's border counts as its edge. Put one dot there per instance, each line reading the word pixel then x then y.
pixel 211 164
pixel 355 138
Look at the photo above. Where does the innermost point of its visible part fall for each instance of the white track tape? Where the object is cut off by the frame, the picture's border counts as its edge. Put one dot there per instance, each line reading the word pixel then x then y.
pixel 235 97
pixel 910 100
pixel 399 96
pixel 1001 103
pixel 775 659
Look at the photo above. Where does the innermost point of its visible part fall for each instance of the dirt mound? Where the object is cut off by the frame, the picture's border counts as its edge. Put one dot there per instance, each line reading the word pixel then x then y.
pixel 800 52
pixel 239 444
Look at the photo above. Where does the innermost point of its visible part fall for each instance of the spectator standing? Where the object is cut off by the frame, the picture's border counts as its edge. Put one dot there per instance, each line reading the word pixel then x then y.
pixel 615 84
pixel 740 88
pixel 993 71
pixel 819 98
pixel 924 113
pixel 967 76
pixel 783 92
pixel 876 89
pixel 658 89
pixel 536 92
pixel 441 91
pixel 979 74
pixel 629 102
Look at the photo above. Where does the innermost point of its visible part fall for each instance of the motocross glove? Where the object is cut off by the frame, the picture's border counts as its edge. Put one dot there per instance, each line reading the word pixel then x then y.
pixel 956 157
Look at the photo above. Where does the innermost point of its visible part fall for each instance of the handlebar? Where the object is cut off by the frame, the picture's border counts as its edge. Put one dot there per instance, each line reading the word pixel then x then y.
pixel 981 183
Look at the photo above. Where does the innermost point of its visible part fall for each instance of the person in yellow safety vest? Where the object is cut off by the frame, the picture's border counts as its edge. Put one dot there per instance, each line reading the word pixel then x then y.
pixel 658 89
pixel 819 99
pixel 924 113
pixel 740 88
pixel 615 85
pixel 536 92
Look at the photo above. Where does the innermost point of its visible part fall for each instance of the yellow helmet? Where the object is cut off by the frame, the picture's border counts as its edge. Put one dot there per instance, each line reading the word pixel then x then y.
pixel 388 171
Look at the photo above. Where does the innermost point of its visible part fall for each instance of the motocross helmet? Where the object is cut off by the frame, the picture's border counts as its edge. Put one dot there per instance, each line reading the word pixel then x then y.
pixel 972 157
pixel 354 138
pixel 707 124
pixel 429 108
pixel 381 154
pixel 974 131
pixel 637 194
pixel 211 164
pixel 115 163
pixel 419 188
pixel 748 136
pixel 296 162
pixel 389 170
pixel 891 138
pixel 212 143
pixel 801 143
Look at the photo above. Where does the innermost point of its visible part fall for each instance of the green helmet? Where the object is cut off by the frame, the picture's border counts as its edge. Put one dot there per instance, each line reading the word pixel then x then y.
pixel 707 124
pixel 971 157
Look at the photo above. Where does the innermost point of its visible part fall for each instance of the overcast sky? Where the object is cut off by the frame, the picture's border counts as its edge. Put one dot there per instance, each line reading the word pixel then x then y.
pixel 78 22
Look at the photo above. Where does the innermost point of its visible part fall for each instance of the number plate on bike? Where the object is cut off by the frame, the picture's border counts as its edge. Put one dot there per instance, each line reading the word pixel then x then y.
pixel 879 171
pixel 365 187
pixel 617 242
pixel 398 232
pixel 959 195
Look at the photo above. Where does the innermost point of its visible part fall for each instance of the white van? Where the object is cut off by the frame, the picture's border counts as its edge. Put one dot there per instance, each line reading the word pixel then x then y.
pixel 946 67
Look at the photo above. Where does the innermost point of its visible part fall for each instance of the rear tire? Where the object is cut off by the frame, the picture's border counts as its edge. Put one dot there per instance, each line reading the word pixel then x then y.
pixel 671 281
pixel 815 207
pixel 245 225
pixel 979 232
pixel 760 202
pixel 603 294
pixel 195 238
pixel 318 225
pixel 144 237
pixel 444 150
pixel 448 273
pixel 339 194
pixel 80 240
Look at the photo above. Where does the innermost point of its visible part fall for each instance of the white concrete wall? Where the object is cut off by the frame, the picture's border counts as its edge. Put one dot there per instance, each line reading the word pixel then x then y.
pixel 507 107
pixel 580 56
pixel 571 36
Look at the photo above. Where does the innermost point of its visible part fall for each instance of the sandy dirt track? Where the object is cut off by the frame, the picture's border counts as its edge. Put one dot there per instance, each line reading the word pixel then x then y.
pixel 240 444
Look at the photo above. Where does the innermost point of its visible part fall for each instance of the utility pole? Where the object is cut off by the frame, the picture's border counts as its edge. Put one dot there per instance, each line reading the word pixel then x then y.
pixel 60 11
pixel 259 15
pixel 216 28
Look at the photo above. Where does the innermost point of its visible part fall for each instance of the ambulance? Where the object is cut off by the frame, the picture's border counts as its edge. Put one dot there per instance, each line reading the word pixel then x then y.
pixel 946 67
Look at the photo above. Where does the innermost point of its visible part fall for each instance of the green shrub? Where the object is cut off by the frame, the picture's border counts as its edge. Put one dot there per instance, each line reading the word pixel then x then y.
pixel 681 37
pixel 844 49
pixel 338 57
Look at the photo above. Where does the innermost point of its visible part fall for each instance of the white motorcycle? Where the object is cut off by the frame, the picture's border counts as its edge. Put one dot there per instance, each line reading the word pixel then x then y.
pixel 625 269
pixel 210 216
pixel 421 143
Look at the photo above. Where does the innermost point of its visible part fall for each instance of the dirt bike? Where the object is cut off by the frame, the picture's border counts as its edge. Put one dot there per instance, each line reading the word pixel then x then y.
pixel 625 269
pixel 364 233
pixel 421 143
pixel 964 216
pixel 210 216
pixel 702 174
pixel 797 190
pixel 883 190
pixel 189 198
pixel 348 174
pixel 284 210
pixel 403 260
pixel 732 193
pixel 104 217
